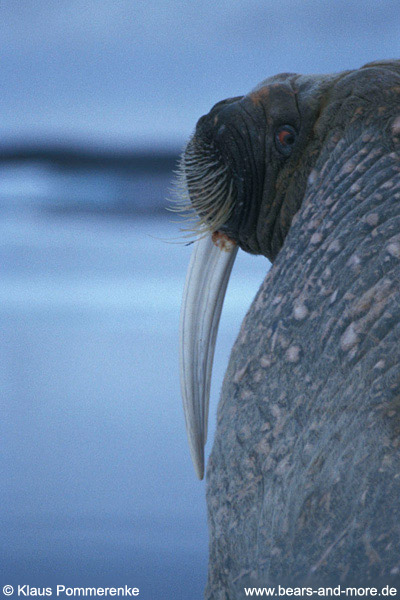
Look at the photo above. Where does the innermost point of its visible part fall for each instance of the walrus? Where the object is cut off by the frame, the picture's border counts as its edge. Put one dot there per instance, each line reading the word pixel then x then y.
pixel 303 481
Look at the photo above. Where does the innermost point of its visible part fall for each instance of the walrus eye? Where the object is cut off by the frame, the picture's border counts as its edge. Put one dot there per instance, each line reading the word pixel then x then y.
pixel 285 137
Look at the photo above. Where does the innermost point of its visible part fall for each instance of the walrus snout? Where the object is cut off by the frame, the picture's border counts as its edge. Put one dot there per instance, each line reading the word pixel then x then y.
pixel 223 168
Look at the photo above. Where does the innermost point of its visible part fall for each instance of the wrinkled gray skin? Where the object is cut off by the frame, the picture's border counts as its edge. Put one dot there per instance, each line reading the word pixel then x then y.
pixel 303 482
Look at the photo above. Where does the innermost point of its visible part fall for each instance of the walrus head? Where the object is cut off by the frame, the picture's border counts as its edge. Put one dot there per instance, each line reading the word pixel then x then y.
pixel 245 172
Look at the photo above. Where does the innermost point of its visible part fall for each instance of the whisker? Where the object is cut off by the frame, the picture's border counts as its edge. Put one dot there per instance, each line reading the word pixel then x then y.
pixel 203 191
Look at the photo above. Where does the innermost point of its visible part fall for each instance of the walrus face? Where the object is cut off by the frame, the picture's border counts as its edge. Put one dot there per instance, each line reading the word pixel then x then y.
pixel 244 172
pixel 232 163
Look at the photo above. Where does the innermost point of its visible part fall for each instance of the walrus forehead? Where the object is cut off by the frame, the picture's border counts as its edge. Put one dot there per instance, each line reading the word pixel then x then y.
pixel 285 78
pixel 309 90
pixel 272 92
pixel 315 92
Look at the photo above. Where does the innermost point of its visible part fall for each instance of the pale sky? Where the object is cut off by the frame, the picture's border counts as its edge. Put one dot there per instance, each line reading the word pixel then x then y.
pixel 140 72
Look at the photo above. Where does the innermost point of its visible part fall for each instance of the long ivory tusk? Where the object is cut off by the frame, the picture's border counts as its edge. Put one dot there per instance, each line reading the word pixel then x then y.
pixel 206 280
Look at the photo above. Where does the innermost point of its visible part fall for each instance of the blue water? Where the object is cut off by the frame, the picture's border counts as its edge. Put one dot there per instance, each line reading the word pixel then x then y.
pixel 97 487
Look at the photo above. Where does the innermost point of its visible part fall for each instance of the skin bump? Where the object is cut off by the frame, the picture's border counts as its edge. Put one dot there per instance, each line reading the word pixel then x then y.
pixel 396 126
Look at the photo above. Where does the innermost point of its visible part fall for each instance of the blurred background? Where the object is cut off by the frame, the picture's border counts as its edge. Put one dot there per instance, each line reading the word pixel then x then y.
pixel 97 98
